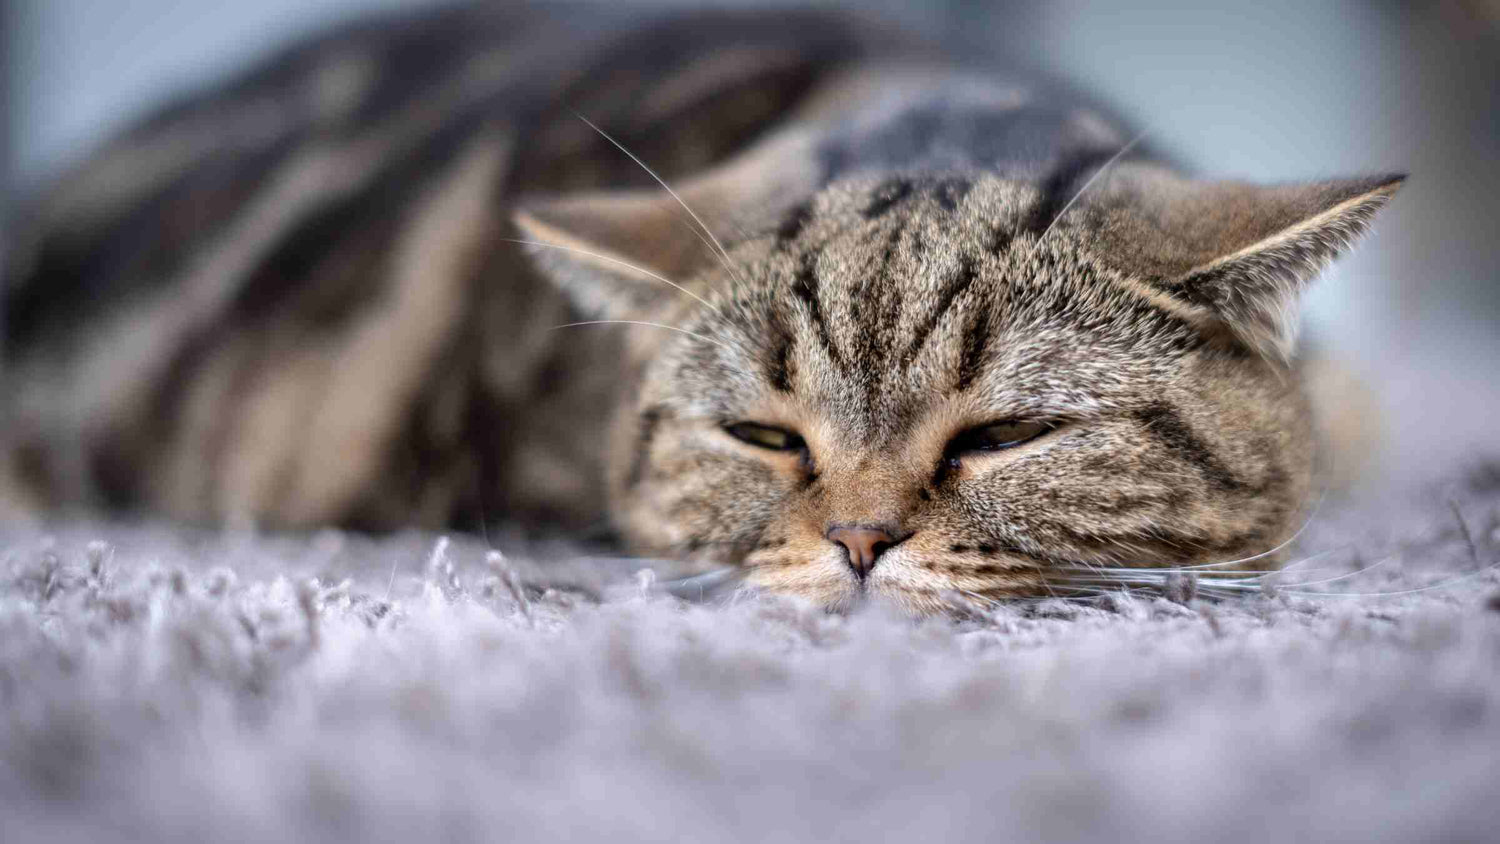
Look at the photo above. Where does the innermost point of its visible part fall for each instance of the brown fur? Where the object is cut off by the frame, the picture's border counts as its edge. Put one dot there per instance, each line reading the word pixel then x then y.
pixel 1181 438
pixel 299 300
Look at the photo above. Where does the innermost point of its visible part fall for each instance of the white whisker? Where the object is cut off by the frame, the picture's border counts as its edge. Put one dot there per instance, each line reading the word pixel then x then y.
pixel 392 583
pixel 1086 185
pixel 1452 581
pixel 1289 540
pixel 988 602
pixel 626 264
pixel 1343 576
pixel 704 583
pixel 722 253
pixel 1239 578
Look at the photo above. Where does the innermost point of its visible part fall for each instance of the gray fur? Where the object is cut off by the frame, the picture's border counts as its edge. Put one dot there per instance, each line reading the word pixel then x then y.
pixel 171 685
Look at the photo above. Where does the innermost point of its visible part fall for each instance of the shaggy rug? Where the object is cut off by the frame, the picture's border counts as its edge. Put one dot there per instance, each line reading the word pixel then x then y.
pixel 161 684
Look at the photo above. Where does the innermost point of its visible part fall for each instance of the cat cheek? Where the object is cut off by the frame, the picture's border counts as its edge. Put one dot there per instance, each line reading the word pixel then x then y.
pixel 728 508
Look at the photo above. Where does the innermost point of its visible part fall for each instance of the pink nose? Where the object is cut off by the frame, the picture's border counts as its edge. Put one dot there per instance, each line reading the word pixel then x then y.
pixel 864 545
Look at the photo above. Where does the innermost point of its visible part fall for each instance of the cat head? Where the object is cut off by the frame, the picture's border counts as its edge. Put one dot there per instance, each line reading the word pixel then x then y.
pixel 925 384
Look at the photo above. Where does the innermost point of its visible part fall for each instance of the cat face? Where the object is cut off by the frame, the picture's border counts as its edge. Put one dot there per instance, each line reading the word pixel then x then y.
pixel 907 389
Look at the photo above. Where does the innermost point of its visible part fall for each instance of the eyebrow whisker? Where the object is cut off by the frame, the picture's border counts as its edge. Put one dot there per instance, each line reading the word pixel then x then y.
pixel 1086 185
pixel 721 254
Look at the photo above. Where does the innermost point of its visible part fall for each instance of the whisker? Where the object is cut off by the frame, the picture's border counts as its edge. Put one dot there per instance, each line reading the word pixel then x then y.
pixel 992 603
pixel 989 603
pixel 1120 578
pixel 626 264
pixel 703 584
pixel 1203 569
pixel 1010 600
pixel 1305 560
pixel 1086 185
pixel 484 518
pixel 1463 528
pixel 1323 496
pixel 721 258
pixel 392 583
pixel 1226 584
pixel 1235 574
pixel 1156 576
pixel 1260 574
pixel 1452 581
pixel 722 253
pixel 1210 590
pixel 639 322
pixel 1343 576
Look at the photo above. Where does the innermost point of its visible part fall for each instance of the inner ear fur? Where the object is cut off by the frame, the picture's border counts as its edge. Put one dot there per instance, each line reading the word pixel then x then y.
pixel 1237 253
pixel 610 251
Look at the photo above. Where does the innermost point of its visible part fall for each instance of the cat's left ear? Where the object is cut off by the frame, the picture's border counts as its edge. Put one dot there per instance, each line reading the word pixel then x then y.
pixel 617 255
pixel 1242 254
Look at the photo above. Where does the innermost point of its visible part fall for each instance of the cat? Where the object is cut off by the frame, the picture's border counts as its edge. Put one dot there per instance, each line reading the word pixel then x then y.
pixel 778 294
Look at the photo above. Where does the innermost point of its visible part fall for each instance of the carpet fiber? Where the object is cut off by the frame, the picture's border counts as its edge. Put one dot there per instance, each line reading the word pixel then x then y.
pixel 162 684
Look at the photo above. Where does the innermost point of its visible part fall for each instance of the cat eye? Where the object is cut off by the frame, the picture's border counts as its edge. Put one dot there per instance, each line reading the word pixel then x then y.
pixel 765 436
pixel 997 436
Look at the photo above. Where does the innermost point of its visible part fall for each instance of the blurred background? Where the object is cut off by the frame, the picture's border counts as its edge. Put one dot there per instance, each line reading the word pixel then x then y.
pixel 1272 90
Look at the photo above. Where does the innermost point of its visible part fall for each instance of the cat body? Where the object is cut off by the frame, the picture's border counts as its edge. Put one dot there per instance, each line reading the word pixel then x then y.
pixel 235 311
pixel 904 328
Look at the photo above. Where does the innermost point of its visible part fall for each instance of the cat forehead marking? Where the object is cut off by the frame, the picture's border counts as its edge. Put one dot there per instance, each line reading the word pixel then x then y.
pixel 882 298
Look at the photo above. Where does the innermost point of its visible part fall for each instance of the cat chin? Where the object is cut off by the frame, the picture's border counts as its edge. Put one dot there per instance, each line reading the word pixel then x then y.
pixel 846 595
pixel 893 587
pixel 894 601
pixel 823 582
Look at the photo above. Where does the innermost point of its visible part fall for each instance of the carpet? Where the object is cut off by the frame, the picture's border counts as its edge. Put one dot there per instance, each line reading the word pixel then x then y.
pixel 165 684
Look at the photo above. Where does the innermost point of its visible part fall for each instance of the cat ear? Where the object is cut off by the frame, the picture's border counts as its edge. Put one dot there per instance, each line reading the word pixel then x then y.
pixel 625 254
pixel 1255 290
pixel 1244 253
pixel 617 255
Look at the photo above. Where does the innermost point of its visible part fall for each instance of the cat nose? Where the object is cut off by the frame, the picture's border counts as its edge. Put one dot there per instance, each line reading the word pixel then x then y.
pixel 864 544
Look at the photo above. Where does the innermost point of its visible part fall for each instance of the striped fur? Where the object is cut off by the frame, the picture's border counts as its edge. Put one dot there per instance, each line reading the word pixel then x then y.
pixel 301 300
pixel 187 311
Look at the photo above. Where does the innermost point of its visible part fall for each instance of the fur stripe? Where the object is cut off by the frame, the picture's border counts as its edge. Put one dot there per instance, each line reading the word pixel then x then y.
pixel 1163 423
pixel 78 270
pixel 793 223
pixel 976 341
pixel 950 191
pixel 650 420
pixel 886 197
pixel 347 398
pixel 1000 240
pixel 960 282
pixel 779 364
pixel 805 288
pixel 874 311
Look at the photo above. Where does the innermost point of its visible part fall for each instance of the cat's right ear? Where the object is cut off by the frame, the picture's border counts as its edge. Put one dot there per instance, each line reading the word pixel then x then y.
pixel 628 254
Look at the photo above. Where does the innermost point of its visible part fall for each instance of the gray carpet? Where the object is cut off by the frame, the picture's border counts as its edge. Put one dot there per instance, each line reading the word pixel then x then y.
pixel 162 684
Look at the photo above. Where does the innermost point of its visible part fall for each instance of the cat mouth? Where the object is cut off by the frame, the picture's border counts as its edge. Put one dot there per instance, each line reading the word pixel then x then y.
pixel 1014 574
pixel 916 584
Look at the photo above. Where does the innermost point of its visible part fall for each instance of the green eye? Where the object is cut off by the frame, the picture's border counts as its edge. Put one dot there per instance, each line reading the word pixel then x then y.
pixel 997 436
pixel 765 436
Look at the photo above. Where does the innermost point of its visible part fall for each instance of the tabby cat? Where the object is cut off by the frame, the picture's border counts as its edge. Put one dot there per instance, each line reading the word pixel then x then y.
pixel 904 329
